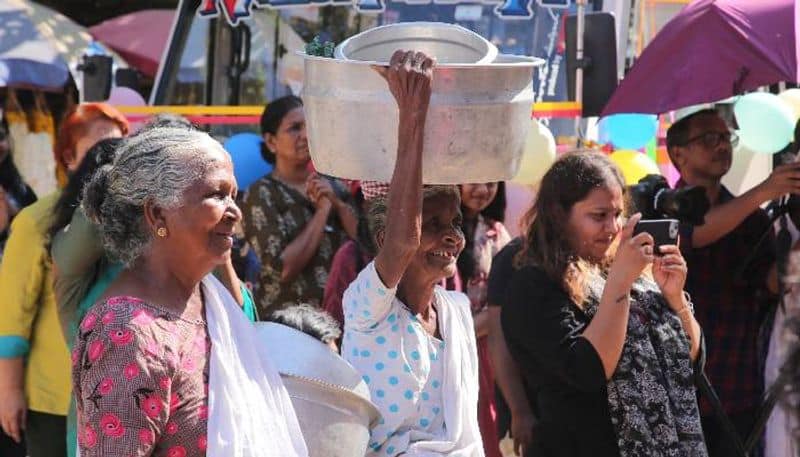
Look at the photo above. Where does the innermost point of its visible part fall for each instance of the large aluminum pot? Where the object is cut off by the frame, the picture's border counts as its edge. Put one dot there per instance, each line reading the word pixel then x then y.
pixel 479 117
pixel 450 43
pixel 330 398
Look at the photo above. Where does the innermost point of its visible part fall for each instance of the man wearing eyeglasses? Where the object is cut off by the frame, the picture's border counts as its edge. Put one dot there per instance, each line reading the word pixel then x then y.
pixel 731 299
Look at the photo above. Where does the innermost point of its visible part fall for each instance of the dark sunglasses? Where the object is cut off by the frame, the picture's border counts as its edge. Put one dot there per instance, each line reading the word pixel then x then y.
pixel 713 139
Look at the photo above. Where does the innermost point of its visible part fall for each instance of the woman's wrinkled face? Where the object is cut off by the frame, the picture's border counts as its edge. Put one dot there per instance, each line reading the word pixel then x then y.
pixel 477 197
pixel 202 228
pixel 290 142
pixel 442 240
pixel 595 221
pixel 98 129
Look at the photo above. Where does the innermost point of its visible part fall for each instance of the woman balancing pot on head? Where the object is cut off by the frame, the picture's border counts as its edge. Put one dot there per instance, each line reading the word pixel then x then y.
pixel 165 362
pixel 412 340
pixel 608 352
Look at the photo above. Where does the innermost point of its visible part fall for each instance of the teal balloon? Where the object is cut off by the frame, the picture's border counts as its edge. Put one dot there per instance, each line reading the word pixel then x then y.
pixel 766 123
pixel 248 165
pixel 628 131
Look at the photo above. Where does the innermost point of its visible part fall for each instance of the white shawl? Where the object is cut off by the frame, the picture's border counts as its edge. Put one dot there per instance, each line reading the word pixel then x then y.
pixel 250 413
pixel 459 383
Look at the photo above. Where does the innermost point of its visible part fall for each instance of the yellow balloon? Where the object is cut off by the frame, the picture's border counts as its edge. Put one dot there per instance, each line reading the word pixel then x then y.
pixel 538 155
pixel 634 165
pixel 792 98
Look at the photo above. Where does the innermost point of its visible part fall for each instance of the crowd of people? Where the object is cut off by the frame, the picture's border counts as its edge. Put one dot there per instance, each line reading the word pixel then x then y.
pixel 128 297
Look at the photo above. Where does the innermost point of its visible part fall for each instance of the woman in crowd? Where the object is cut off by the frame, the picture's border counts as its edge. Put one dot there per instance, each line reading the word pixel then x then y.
pixel 68 293
pixel 412 340
pixel 294 218
pixel 17 190
pixel 483 207
pixel 608 354
pixel 69 288
pixel 82 269
pixel 355 254
pixel 8 447
pixel 350 259
pixel 165 362
pixel 34 361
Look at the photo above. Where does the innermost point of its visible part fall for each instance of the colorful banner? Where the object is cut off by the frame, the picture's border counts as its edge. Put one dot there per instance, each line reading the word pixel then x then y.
pixel 235 10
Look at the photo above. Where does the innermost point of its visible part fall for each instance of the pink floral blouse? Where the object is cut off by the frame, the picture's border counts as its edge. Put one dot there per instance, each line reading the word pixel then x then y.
pixel 140 378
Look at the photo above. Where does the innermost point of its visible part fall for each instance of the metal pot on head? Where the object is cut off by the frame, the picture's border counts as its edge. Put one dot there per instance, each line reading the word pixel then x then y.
pixel 478 119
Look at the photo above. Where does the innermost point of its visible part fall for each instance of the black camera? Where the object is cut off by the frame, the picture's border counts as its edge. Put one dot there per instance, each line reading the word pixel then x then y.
pixel 653 197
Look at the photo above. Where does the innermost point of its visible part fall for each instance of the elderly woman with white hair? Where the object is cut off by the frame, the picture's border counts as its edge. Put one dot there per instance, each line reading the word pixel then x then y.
pixel 412 340
pixel 165 362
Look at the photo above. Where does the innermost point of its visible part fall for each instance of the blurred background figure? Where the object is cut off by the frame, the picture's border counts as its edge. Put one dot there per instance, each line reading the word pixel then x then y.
pixel 18 192
pixel 34 367
pixel 483 208
pixel 294 219
pixel 351 258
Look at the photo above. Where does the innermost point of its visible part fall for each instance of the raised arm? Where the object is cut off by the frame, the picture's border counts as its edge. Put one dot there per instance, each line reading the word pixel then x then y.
pixel 409 75
pixel 77 247
pixel 609 326
pixel 723 219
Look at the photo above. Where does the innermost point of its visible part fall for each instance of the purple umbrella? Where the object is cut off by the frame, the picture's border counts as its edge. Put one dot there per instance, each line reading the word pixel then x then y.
pixel 712 50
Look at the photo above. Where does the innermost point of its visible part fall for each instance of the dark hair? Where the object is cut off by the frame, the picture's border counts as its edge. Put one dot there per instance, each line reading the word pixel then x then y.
pixel 495 212
pixel 364 238
pixel 272 117
pixel 796 136
pixel 167 120
pixel 546 243
pixel 309 320
pixel 102 153
pixel 678 133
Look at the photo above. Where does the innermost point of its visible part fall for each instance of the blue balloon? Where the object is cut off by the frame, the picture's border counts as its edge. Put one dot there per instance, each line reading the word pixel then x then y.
pixel 248 165
pixel 628 131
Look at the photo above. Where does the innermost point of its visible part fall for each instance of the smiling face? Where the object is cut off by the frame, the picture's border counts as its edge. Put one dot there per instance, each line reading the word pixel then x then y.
pixel 289 143
pixel 201 228
pixel 441 241
pixel 477 197
pixel 595 221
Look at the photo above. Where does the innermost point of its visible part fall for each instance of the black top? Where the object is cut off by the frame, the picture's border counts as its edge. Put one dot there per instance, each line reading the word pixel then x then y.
pixel 727 280
pixel 564 376
pixel 501 273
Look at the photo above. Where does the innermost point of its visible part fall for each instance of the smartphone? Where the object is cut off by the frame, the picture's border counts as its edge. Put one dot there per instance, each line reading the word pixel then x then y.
pixel 663 231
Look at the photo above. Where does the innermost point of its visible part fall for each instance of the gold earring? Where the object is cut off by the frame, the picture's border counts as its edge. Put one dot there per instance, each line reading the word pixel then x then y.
pixel 162 232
